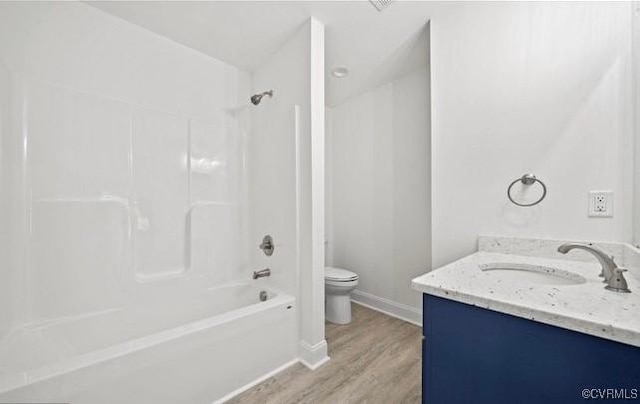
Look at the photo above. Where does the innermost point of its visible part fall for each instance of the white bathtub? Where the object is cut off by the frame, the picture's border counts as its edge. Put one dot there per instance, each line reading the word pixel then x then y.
pixel 194 351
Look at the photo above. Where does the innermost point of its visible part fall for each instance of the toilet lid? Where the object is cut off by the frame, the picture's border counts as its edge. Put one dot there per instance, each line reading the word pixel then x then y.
pixel 339 274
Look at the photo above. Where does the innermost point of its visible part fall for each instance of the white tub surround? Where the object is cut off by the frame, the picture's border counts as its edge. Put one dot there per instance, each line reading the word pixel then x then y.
pixel 584 307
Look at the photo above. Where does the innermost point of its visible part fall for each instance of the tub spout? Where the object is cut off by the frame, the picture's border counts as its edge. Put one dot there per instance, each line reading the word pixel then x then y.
pixel 261 274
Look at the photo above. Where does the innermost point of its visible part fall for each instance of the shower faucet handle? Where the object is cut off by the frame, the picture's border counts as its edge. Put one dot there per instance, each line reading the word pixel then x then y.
pixel 267 245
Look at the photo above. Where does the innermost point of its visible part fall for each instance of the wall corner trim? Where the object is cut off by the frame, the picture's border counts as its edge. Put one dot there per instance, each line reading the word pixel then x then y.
pixel 313 356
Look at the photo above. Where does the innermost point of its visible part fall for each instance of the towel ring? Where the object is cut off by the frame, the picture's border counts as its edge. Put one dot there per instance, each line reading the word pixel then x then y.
pixel 527 179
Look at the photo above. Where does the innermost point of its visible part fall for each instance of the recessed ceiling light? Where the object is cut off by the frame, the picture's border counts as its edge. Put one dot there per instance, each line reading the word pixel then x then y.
pixel 340 72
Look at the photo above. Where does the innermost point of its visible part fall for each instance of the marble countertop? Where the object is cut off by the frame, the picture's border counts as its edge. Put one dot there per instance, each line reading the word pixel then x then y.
pixel 585 307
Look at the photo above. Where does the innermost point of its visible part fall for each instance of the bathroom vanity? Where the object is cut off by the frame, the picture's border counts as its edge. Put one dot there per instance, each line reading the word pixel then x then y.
pixel 518 322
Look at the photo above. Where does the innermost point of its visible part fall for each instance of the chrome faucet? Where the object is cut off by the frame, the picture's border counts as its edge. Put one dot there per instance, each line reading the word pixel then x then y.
pixel 612 275
pixel 261 274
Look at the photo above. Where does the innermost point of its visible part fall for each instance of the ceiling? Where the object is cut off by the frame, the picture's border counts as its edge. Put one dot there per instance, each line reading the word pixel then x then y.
pixel 375 46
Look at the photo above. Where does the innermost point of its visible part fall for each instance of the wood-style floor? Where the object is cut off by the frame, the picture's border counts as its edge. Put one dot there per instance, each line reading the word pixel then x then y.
pixel 375 359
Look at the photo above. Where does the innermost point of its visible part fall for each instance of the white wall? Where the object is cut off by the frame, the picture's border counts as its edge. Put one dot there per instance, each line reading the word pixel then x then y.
pixel 530 87
pixel 379 177
pixel 328 195
pixel 125 164
pixel 636 81
pixel 6 282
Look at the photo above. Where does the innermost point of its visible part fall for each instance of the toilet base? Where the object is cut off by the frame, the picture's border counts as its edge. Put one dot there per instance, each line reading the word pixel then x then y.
pixel 338 309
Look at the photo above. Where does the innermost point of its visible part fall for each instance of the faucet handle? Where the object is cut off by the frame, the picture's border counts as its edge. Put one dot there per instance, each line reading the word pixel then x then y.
pixel 617 282
pixel 267 245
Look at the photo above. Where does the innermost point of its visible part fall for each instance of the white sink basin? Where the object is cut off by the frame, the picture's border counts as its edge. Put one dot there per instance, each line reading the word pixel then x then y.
pixel 530 274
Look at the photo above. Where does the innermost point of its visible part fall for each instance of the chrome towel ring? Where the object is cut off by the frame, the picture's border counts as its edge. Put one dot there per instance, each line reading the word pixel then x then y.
pixel 527 179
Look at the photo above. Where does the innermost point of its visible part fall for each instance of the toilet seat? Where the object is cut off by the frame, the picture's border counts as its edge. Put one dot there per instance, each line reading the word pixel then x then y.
pixel 339 275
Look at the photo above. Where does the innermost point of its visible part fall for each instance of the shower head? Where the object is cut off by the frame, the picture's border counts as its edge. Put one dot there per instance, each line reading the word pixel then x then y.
pixel 256 98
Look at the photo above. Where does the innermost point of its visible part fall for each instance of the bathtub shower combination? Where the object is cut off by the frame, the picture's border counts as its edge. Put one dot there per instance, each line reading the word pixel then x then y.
pixel 139 178
pixel 188 321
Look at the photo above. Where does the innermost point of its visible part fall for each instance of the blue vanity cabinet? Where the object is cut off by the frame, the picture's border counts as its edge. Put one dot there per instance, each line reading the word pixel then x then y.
pixel 475 355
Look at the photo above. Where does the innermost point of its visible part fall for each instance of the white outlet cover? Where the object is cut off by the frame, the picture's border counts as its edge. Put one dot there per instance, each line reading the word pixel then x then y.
pixel 600 204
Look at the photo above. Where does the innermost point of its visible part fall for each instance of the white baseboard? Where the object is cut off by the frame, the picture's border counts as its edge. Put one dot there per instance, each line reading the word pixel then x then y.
pixel 389 307
pixel 313 356
pixel 256 382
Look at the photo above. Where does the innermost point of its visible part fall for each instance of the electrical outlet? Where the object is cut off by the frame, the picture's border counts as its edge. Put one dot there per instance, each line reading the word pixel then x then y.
pixel 600 204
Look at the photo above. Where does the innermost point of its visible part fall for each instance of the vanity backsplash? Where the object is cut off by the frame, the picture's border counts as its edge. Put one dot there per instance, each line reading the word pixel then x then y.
pixel 625 255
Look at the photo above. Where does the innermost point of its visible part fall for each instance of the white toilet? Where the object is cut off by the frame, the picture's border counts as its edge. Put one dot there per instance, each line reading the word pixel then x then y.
pixel 338 284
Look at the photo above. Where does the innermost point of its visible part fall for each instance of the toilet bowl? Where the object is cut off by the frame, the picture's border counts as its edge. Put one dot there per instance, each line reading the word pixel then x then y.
pixel 338 284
